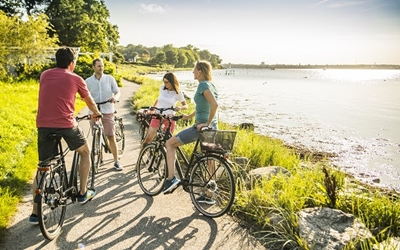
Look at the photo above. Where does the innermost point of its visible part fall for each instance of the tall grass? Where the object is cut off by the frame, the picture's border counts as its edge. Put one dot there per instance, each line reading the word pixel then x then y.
pixel 18 147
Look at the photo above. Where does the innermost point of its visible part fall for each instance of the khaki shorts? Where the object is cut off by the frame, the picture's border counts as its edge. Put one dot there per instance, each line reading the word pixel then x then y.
pixel 108 124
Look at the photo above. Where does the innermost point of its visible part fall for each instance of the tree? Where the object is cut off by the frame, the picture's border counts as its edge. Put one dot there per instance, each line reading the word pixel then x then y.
pixel 25 43
pixel 83 23
pixel 160 58
pixel 172 57
pixel 19 7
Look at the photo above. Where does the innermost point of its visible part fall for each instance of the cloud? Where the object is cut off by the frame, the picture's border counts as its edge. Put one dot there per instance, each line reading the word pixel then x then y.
pixel 151 8
pixel 323 1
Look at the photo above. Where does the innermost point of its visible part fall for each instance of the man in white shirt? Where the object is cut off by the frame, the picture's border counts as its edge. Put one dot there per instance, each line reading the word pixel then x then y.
pixel 104 87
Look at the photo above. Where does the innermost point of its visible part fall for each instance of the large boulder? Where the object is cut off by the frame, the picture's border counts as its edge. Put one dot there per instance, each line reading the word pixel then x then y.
pixel 326 228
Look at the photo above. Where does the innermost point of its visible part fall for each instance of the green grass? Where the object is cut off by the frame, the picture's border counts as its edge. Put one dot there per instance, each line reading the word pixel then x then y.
pixel 18 147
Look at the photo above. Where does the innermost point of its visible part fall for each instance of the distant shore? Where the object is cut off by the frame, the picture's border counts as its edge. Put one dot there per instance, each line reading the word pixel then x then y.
pixel 309 66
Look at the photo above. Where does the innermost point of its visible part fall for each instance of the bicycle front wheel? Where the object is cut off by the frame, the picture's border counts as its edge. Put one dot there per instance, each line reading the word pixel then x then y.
pixel 151 169
pixel 120 135
pixel 96 150
pixel 77 179
pixel 51 203
pixel 212 186
pixel 143 131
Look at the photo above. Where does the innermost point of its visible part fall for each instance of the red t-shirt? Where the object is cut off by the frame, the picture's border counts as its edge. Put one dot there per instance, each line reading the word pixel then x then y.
pixel 57 94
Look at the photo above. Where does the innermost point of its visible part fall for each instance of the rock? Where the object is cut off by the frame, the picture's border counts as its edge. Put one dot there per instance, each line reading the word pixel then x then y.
pixel 247 126
pixel 241 161
pixel 326 228
pixel 389 244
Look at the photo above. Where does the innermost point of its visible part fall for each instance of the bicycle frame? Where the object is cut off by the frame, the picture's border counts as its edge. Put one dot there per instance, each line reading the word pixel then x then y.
pixel 195 155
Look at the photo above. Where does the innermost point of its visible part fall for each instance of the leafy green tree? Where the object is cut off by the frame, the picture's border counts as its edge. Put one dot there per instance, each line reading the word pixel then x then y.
pixel 182 59
pixel 205 55
pixel 25 44
pixel 10 7
pixel 160 58
pixel 19 7
pixel 83 23
pixel 172 57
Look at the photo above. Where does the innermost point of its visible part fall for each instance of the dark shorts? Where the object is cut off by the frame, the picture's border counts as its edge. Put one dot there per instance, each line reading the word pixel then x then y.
pixel 74 137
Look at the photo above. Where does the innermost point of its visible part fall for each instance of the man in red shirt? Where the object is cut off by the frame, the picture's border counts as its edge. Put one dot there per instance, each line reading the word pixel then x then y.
pixel 57 93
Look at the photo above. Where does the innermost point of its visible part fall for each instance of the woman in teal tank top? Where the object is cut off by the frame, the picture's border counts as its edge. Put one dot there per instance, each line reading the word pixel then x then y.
pixel 205 98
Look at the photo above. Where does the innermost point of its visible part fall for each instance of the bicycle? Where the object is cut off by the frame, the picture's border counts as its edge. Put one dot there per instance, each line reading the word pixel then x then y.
pixel 55 190
pixel 100 141
pixel 144 118
pixel 210 151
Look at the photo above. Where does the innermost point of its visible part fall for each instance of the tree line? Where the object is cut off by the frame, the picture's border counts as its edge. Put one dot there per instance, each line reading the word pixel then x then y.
pixel 31 30
pixel 183 57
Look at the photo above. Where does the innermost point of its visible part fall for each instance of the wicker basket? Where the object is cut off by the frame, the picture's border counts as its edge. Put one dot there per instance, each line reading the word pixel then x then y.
pixel 218 140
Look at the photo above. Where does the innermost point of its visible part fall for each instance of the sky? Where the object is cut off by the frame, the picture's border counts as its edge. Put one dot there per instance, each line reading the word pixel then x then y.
pixel 269 31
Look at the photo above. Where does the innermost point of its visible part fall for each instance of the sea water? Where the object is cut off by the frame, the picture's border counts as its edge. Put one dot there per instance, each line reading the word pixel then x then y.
pixel 353 114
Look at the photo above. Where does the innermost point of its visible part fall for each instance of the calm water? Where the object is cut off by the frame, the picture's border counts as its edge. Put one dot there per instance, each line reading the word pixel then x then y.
pixel 352 113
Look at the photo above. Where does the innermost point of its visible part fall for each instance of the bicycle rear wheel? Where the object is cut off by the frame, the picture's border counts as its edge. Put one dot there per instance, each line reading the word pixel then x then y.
pixel 96 150
pixel 151 169
pixel 212 186
pixel 119 135
pixel 51 203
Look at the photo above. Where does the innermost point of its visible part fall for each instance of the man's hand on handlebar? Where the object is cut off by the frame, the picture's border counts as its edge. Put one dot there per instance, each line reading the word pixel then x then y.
pixel 96 117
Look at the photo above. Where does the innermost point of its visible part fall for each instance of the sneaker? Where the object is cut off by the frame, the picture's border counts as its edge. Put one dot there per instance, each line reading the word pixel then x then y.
pixel 170 184
pixel 34 219
pixel 205 199
pixel 87 197
pixel 118 166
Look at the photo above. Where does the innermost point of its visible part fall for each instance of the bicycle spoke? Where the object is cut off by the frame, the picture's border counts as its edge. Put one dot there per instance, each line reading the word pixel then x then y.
pixel 151 170
pixel 51 205
pixel 96 150
pixel 120 136
pixel 212 187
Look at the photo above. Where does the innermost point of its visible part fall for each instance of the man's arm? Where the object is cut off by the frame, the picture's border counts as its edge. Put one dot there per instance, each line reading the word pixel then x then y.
pixel 92 105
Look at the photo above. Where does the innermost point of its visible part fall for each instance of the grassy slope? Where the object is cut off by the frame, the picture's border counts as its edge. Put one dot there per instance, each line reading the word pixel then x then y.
pixel 18 147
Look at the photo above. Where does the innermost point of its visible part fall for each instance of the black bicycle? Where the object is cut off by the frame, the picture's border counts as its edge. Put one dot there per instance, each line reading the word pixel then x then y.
pixel 207 177
pixel 55 190
pixel 100 141
pixel 143 117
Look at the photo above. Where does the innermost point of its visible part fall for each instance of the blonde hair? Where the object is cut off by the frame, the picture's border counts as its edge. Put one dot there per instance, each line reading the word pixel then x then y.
pixel 206 68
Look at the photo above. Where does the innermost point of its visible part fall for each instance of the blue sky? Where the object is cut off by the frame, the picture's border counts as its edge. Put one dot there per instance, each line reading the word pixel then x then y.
pixel 270 31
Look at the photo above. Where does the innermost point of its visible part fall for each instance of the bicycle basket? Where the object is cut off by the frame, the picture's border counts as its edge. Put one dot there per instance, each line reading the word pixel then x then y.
pixel 217 140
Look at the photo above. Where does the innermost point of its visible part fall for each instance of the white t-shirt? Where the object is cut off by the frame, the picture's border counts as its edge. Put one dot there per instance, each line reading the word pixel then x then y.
pixel 167 98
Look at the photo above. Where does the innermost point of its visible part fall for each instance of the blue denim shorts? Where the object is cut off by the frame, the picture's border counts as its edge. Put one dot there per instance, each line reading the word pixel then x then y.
pixel 191 134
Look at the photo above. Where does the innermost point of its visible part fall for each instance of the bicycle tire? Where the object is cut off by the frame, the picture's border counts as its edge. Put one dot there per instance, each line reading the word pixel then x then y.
pixel 97 147
pixel 76 177
pixel 217 186
pixel 51 203
pixel 143 131
pixel 151 169
pixel 120 135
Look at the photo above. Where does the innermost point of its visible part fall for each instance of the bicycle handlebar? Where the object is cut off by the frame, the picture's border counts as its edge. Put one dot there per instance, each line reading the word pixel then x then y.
pixel 100 103
pixel 80 118
pixel 159 109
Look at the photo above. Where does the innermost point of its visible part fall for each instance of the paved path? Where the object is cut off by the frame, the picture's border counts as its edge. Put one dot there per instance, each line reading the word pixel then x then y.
pixel 121 216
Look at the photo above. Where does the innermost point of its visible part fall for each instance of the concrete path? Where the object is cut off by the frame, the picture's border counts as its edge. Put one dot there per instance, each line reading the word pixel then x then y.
pixel 121 216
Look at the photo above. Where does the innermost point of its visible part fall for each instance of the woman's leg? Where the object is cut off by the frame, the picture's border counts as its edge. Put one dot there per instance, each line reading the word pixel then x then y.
pixel 171 146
